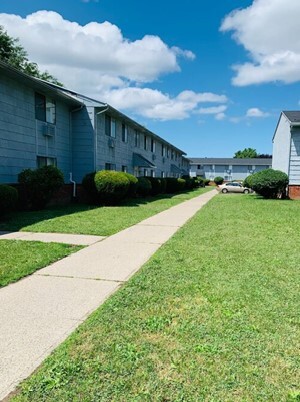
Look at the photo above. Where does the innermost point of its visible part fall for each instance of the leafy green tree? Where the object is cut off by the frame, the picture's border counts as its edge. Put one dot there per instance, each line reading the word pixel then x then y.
pixel 246 153
pixel 14 54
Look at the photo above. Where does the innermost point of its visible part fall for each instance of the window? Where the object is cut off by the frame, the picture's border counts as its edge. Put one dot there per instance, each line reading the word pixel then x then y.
pixel 110 166
pixel 136 139
pixel 145 172
pixel 124 133
pixel 168 152
pixel 163 150
pixel 124 168
pixel 199 167
pixel 45 109
pixel 145 143
pixel 45 161
pixel 152 173
pixel 152 145
pixel 110 126
pixel 172 154
pixel 163 175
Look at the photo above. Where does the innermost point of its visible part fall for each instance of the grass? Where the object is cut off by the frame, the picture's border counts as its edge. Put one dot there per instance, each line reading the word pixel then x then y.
pixel 213 316
pixel 21 258
pixel 101 221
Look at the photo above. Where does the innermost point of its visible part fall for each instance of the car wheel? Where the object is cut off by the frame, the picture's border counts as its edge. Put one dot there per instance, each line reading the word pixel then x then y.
pixel 246 191
pixel 224 190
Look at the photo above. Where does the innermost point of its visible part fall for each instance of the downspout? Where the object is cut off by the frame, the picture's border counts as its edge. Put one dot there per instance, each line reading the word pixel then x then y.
pixel 96 132
pixel 71 149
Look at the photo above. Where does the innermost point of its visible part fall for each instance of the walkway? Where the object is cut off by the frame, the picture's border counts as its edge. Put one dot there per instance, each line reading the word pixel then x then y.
pixel 40 311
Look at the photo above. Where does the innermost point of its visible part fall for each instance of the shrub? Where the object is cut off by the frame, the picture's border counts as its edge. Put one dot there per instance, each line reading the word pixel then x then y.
pixel 144 186
pixel 219 180
pixel 248 181
pixel 201 182
pixel 88 183
pixel 39 185
pixel 174 185
pixel 112 187
pixel 206 182
pixel 156 185
pixel 270 183
pixel 190 182
pixel 132 184
pixel 163 184
pixel 8 198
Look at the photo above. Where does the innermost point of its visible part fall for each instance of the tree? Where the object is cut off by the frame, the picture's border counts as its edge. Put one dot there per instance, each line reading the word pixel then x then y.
pixel 11 52
pixel 246 153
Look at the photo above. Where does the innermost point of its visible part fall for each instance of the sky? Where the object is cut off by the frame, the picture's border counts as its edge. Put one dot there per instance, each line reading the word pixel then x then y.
pixel 209 77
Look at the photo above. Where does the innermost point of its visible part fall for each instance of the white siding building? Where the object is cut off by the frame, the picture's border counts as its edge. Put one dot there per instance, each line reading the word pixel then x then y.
pixel 286 149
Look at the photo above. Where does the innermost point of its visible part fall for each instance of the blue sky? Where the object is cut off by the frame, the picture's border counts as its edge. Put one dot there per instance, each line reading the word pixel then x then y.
pixel 169 65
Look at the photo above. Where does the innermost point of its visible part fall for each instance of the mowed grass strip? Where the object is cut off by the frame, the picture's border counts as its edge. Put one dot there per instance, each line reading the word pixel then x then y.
pixel 213 316
pixel 21 258
pixel 101 221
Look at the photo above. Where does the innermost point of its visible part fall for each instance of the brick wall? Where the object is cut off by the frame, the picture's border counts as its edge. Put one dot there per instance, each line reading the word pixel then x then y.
pixel 294 192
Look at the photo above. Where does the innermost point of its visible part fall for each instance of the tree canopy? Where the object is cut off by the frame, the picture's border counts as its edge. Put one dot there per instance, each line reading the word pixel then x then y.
pixel 250 153
pixel 14 54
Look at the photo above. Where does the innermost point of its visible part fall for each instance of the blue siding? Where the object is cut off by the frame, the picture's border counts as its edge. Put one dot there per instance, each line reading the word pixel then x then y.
pixel 21 135
pixel 83 148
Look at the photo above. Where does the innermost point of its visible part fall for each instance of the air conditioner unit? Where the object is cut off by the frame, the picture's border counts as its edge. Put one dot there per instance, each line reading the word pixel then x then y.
pixel 111 143
pixel 49 130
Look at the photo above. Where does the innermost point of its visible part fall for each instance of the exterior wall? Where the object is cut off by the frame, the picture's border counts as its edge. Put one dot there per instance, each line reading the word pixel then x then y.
pixel 17 130
pixel 281 145
pixel 294 172
pixel 294 192
pixel 115 151
pixel 21 135
pixel 83 143
pixel 228 172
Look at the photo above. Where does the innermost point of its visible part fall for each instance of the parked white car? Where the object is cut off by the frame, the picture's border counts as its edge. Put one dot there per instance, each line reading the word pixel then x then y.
pixel 233 187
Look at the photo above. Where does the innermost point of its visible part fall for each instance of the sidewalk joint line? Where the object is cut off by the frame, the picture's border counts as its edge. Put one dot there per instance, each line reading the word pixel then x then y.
pixel 78 277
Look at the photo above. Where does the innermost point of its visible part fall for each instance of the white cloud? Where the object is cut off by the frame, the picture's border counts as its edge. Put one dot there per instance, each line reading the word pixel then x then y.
pixel 96 60
pixel 255 112
pixel 212 110
pixel 220 116
pixel 269 31
pixel 98 47
pixel 154 104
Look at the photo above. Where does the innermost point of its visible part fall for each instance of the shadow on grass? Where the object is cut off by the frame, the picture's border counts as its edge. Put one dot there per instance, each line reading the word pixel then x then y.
pixel 18 220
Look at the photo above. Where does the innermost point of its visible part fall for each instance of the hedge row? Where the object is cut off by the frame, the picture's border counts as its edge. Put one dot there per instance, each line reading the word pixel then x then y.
pixel 111 187
pixel 36 188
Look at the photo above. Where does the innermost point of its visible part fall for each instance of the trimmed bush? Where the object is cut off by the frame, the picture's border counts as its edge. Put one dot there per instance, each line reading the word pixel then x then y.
pixel 39 185
pixel 88 183
pixel 190 182
pixel 219 180
pixel 174 185
pixel 132 184
pixel 248 181
pixel 201 182
pixel 112 186
pixel 144 186
pixel 156 185
pixel 163 184
pixel 206 182
pixel 270 183
pixel 8 198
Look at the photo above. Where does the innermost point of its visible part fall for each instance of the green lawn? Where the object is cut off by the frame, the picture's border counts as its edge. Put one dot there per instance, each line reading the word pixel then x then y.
pixel 213 316
pixel 21 258
pixel 102 221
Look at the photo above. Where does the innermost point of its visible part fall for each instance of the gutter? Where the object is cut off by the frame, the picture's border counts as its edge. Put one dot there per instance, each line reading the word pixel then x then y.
pixel 71 148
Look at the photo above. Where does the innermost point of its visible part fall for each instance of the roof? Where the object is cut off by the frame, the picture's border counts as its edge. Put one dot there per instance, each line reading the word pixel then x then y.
pixel 292 116
pixel 37 84
pixel 114 112
pixel 140 161
pixel 231 161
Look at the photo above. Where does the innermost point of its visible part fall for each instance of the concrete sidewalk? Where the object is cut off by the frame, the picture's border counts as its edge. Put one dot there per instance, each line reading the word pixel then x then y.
pixel 80 240
pixel 40 311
